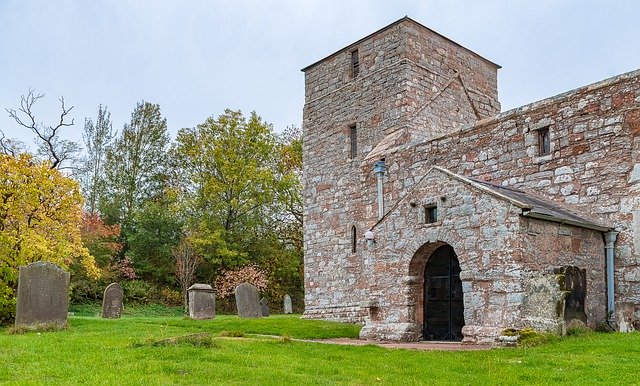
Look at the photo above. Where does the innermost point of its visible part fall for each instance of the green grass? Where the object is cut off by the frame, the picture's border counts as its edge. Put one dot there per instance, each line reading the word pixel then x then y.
pixel 144 350
pixel 94 309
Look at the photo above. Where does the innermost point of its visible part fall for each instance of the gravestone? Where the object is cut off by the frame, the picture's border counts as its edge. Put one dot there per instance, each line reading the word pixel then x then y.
pixel 288 308
pixel 202 301
pixel 43 295
pixel 575 288
pixel 248 301
pixel 264 307
pixel 112 301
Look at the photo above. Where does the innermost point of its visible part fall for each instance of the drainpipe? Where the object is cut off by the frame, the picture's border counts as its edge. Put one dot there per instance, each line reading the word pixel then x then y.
pixel 610 239
pixel 379 169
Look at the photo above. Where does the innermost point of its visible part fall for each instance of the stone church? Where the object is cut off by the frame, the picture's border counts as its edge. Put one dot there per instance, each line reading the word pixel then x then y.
pixel 431 215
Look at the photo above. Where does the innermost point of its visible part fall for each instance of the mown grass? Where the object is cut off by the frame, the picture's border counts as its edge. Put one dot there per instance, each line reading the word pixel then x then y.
pixel 136 350
pixel 152 310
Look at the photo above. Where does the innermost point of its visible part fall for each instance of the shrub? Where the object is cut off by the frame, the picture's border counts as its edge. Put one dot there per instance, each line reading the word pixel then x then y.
pixel 85 290
pixel 171 297
pixel 227 282
pixel 137 291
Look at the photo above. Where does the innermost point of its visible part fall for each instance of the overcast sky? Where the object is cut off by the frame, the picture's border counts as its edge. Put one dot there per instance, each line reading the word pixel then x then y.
pixel 196 58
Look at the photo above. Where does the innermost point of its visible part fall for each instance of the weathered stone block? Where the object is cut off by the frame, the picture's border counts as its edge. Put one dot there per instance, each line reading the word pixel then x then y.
pixel 43 295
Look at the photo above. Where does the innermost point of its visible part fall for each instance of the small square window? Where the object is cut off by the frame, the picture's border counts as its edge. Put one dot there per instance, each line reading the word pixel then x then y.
pixel 544 142
pixel 355 63
pixel 430 214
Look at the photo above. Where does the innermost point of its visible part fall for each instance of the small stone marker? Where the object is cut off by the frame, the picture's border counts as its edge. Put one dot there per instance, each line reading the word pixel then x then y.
pixel 43 295
pixel 112 301
pixel 264 307
pixel 288 308
pixel 202 302
pixel 248 301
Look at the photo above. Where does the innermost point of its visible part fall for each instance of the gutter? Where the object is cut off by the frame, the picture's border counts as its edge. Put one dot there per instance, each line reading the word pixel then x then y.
pixel 581 224
pixel 610 239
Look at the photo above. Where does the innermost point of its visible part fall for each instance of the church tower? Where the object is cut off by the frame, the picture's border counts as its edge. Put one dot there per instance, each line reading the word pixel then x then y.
pixel 399 86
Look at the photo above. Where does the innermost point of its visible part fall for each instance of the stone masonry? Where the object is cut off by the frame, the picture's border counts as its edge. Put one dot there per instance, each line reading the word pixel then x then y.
pixel 420 100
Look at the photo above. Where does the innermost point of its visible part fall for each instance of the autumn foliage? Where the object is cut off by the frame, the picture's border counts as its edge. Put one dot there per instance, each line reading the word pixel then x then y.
pixel 101 239
pixel 227 282
pixel 40 217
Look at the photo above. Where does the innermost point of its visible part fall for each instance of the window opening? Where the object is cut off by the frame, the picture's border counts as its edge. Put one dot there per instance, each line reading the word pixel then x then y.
pixel 544 143
pixel 354 239
pixel 353 139
pixel 355 63
pixel 430 214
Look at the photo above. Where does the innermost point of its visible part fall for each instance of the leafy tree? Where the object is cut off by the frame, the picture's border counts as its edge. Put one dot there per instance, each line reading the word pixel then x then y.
pixel 101 240
pixel 240 187
pixel 97 139
pixel 151 237
pixel 229 182
pixel 135 164
pixel 288 220
pixel 40 217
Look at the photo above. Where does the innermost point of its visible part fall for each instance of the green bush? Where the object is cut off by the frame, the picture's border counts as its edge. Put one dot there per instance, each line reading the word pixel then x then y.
pixel 138 291
pixel 86 290
pixel 171 297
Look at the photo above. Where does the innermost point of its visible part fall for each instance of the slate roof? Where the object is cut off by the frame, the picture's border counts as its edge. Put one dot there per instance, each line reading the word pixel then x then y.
pixel 539 208
pixel 531 206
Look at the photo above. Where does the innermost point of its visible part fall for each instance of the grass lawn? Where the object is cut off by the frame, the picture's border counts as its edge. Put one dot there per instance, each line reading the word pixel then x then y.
pixel 130 351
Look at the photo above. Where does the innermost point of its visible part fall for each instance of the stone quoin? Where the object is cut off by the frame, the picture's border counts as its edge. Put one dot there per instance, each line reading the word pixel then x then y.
pixel 476 221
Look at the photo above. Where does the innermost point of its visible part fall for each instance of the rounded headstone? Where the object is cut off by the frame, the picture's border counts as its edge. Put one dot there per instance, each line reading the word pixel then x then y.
pixel 112 301
pixel 248 301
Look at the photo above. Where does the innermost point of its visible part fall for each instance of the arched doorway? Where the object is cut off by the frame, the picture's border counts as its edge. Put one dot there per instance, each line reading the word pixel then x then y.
pixel 443 303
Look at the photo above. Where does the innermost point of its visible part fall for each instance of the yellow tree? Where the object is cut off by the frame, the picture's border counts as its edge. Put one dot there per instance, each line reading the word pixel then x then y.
pixel 40 218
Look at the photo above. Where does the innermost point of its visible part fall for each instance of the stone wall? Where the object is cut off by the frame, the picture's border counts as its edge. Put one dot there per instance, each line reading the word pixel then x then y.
pixel 593 168
pixel 407 73
pixel 416 103
pixel 548 245
pixel 507 263
pixel 481 229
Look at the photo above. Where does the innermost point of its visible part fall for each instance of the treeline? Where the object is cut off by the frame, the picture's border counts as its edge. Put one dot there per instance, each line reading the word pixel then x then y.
pixel 220 204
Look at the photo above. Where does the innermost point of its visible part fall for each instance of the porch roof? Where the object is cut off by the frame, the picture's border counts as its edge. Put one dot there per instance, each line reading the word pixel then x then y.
pixel 532 206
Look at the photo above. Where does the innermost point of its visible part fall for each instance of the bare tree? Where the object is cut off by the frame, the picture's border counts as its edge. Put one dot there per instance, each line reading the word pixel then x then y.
pixel 186 263
pixel 9 146
pixel 49 143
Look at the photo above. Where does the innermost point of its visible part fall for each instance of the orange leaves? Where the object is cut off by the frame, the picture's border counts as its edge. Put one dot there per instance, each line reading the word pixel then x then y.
pixel 227 282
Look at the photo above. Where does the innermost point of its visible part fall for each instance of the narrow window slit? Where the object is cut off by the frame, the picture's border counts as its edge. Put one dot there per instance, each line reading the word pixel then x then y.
pixel 354 239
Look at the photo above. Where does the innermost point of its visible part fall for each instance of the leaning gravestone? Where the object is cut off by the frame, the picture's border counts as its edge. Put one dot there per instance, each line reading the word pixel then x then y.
pixel 264 307
pixel 202 302
pixel 43 295
pixel 112 305
pixel 248 301
pixel 288 308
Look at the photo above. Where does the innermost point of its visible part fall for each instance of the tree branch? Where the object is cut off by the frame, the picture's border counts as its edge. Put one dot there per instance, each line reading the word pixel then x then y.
pixel 57 150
